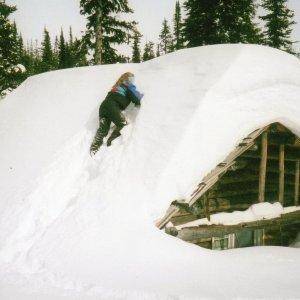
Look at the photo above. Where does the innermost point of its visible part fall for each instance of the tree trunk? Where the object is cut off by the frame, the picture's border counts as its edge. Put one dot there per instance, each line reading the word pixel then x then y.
pixel 99 38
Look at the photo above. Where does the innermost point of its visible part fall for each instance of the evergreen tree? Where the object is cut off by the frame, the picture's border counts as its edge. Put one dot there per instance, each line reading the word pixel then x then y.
pixel 28 60
pixel 10 68
pixel 104 29
pixel 279 22
pixel 80 52
pixel 20 46
pixel 157 50
pixel 221 21
pixel 236 22
pixel 71 50
pixel 148 51
pixel 47 62
pixel 56 52
pixel 136 53
pixel 165 37
pixel 56 46
pixel 201 23
pixel 37 57
pixel 63 59
pixel 71 39
pixel 178 28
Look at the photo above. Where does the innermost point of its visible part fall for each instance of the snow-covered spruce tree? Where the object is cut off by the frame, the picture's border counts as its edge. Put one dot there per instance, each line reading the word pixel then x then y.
pixel 236 22
pixel 279 21
pixel 201 26
pixel 136 52
pixel 105 28
pixel 11 70
pixel 148 51
pixel 165 38
pixel 48 60
pixel 178 28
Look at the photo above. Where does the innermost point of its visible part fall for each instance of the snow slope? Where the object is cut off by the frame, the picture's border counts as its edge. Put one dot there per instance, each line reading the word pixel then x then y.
pixel 73 227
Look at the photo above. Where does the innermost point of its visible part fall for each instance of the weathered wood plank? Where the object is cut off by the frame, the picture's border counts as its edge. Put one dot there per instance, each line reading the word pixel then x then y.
pixel 207 231
pixel 289 157
pixel 281 175
pixel 297 179
pixel 185 217
pixel 278 138
pixel 254 164
pixel 263 167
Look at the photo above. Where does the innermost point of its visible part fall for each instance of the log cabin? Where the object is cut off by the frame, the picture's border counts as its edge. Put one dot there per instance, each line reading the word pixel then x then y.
pixel 264 167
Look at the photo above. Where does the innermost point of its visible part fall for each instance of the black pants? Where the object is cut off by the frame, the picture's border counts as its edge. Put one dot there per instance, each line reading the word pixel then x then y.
pixel 109 112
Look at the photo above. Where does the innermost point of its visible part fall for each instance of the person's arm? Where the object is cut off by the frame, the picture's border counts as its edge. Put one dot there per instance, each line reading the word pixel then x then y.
pixel 134 95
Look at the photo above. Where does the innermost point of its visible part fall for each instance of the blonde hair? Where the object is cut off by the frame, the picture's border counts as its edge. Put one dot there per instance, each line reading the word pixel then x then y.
pixel 123 78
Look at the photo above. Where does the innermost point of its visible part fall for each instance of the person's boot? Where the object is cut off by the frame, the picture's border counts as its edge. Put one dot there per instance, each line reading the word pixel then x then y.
pixel 116 133
pixel 97 143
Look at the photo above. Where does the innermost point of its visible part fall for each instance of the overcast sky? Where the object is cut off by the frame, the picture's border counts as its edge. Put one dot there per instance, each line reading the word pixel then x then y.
pixel 33 15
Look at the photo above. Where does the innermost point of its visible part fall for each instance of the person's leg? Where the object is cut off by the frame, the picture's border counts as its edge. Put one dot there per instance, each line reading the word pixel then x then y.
pixel 119 120
pixel 100 135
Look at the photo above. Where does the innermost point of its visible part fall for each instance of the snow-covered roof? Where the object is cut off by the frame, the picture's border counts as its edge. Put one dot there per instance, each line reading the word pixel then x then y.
pixel 199 103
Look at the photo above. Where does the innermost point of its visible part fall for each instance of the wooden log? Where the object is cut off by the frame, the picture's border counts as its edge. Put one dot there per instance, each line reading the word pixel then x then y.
pixel 253 198
pixel 206 206
pixel 289 157
pixel 238 165
pixel 207 231
pixel 278 138
pixel 239 175
pixel 271 184
pixel 297 179
pixel 281 175
pixel 232 184
pixel 254 163
pixel 245 190
pixel 186 217
pixel 263 167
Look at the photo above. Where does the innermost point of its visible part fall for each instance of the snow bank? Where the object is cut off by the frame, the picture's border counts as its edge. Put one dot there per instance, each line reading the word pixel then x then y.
pixel 256 212
pixel 86 225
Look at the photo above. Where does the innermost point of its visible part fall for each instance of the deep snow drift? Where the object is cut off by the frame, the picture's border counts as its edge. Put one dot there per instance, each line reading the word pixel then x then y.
pixel 76 226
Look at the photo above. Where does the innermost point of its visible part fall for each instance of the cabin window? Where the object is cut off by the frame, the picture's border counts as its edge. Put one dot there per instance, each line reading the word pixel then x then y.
pixel 246 238
pixel 259 237
pixel 223 243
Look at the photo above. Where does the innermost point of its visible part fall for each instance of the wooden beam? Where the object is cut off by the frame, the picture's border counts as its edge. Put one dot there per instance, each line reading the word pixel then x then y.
pixel 207 231
pixel 269 197
pixel 254 163
pixel 243 190
pixel 278 138
pixel 281 175
pixel 184 217
pixel 238 184
pixel 263 167
pixel 206 206
pixel 272 156
pixel 297 178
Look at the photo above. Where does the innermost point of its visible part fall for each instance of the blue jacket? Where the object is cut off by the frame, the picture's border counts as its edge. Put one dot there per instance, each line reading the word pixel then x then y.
pixel 124 94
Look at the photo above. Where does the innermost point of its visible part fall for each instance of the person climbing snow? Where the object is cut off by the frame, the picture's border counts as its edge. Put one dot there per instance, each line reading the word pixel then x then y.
pixel 121 95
